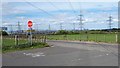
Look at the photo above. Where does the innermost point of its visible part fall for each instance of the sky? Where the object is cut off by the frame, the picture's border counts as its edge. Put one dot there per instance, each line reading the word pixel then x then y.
pixel 43 14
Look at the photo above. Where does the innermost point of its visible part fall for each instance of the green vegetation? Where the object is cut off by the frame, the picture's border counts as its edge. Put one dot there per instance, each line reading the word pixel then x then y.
pixel 9 45
pixel 87 35
pixel 108 38
pixel 62 32
pixel 4 33
pixel 106 35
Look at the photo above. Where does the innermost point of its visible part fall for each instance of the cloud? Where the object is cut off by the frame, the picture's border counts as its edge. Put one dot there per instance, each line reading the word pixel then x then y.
pixel 61 0
pixel 96 13
pixel 115 20
pixel 8 9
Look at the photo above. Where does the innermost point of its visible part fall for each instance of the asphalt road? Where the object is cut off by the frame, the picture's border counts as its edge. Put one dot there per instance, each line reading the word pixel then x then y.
pixel 64 53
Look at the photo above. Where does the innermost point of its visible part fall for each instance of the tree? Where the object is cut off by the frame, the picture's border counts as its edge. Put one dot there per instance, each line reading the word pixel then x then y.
pixel 4 33
pixel 62 32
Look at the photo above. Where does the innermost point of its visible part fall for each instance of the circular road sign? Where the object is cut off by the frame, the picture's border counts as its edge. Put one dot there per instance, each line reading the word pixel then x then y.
pixel 30 24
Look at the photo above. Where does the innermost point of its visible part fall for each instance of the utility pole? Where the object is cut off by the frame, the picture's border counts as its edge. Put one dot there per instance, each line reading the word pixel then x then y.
pixel 19 26
pixel 80 18
pixel 49 28
pixel 110 22
pixel 80 22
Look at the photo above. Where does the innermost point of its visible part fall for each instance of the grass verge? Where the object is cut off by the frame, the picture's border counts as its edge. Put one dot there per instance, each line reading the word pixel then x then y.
pixel 20 47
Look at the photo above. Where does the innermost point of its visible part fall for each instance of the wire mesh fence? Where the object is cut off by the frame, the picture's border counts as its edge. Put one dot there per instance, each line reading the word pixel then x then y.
pixel 14 40
pixel 21 41
pixel 107 38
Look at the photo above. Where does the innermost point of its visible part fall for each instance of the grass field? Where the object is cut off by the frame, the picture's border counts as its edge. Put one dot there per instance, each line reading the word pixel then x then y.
pixel 108 38
pixel 11 42
pixel 8 45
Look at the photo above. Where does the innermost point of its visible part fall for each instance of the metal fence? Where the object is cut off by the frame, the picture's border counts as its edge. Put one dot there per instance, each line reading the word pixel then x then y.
pixel 22 39
pixel 111 38
pixel 107 38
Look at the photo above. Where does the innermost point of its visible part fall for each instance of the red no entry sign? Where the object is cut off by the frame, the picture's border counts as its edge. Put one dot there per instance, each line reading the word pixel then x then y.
pixel 30 24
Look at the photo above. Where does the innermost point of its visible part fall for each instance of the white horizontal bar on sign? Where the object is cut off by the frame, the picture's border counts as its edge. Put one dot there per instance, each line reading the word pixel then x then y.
pixel 60 0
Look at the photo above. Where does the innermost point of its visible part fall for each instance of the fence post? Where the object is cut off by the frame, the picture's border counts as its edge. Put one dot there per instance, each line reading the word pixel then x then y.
pixel 44 39
pixel 26 38
pixel 87 37
pixel 80 38
pixel 31 38
pixel 16 39
pixel 116 38
pixel 41 38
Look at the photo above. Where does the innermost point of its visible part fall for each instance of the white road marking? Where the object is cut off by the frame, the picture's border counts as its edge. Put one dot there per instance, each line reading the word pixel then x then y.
pixel 42 55
pixel 98 56
pixel 28 54
pixel 38 54
pixel 24 53
pixel 76 59
pixel 33 56
pixel 52 46
pixel 79 59
pixel 107 54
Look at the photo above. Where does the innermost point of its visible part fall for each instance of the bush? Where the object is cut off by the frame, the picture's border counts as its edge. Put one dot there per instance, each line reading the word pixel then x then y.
pixel 4 33
pixel 61 32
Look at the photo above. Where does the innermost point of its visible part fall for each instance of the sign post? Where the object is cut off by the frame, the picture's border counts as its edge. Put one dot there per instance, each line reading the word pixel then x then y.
pixel 30 28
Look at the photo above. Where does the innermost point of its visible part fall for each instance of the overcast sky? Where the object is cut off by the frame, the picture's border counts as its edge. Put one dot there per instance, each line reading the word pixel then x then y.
pixel 50 12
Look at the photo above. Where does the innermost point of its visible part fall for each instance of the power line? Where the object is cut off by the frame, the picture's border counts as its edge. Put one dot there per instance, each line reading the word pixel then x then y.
pixel 80 19
pixel 39 9
pixel 55 6
pixel 42 10
pixel 37 26
pixel 80 16
pixel 75 15
pixel 13 27
pixel 71 6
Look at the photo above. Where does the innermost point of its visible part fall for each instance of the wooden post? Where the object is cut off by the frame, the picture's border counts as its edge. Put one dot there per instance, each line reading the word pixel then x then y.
pixel 45 39
pixel 16 39
pixel 30 36
pixel 116 38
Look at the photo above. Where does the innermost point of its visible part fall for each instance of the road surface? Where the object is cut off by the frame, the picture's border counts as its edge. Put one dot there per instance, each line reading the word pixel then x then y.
pixel 65 53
